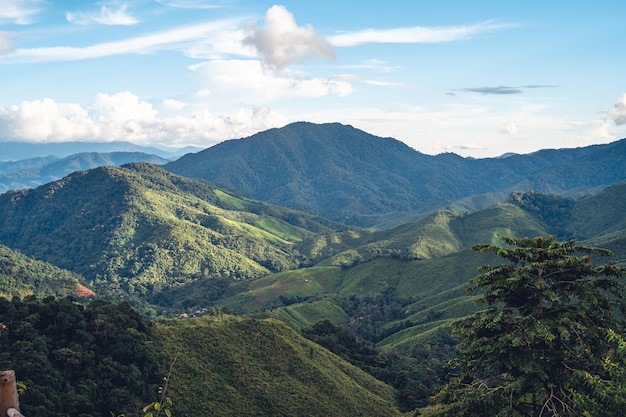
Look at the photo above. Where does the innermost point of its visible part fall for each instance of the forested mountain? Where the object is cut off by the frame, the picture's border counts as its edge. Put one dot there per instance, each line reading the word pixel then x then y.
pixel 137 229
pixel 353 177
pixel 33 172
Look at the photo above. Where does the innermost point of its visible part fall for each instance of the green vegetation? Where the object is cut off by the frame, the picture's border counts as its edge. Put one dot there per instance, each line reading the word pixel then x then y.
pixel 79 360
pixel 547 315
pixel 355 178
pixel 21 276
pixel 136 230
pixel 262 367
pixel 380 299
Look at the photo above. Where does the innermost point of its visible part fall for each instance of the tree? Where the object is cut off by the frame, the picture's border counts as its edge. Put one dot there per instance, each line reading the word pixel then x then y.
pixel 542 333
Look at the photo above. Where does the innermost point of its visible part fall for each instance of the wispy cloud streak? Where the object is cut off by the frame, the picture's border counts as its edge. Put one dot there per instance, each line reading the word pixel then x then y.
pixel 144 44
pixel 415 34
pixel 104 16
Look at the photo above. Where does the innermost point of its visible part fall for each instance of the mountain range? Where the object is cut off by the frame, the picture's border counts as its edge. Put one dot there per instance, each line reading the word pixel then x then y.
pixel 32 172
pixel 307 224
pixel 350 176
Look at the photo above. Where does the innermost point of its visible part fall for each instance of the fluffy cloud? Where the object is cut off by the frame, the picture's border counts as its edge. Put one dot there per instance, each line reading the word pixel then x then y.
pixel 124 117
pixel 618 112
pixel 281 42
pixel 104 16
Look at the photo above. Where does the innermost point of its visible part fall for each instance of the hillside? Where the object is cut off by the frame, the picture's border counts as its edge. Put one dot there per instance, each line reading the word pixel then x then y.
pixel 33 172
pixel 137 229
pixel 104 359
pixel 253 367
pixel 21 276
pixel 353 177
pixel 393 287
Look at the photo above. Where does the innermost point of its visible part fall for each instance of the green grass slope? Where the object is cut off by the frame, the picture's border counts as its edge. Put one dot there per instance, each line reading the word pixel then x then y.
pixel 228 366
pixel 389 285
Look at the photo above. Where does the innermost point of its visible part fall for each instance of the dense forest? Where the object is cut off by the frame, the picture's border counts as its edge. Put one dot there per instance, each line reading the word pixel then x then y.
pixel 79 360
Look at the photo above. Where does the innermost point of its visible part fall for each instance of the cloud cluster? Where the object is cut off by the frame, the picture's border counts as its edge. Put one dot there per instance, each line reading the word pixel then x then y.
pixel 281 42
pixel 618 112
pixel 104 16
pixel 124 117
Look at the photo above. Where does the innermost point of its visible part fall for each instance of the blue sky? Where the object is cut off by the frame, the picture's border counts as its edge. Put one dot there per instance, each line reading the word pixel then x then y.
pixel 477 78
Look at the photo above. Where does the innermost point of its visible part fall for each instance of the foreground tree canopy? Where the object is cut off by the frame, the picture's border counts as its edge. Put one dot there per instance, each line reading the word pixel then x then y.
pixel 546 342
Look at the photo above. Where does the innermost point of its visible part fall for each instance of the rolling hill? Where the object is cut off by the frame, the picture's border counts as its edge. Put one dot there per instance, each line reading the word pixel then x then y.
pixel 254 367
pixel 410 280
pixel 350 176
pixel 137 229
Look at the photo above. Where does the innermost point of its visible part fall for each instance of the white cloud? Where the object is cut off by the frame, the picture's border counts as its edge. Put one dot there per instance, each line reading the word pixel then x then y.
pixel 416 34
pixel 143 44
pixel 124 117
pixel 281 42
pixel 19 11
pixel 45 120
pixel 618 112
pixel 169 103
pixel 245 81
pixel 104 16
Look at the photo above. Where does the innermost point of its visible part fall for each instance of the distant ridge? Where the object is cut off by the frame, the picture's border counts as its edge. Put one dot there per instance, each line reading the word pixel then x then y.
pixel 15 151
pixel 351 176
pixel 29 173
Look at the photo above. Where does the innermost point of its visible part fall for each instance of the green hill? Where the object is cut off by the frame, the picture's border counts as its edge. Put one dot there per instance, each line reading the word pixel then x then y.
pixel 229 366
pixel 137 229
pixel 394 286
pixel 21 276
pixel 104 359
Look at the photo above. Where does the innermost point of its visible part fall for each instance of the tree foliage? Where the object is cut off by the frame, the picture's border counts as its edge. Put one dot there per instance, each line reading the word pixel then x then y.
pixel 547 313
pixel 87 361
